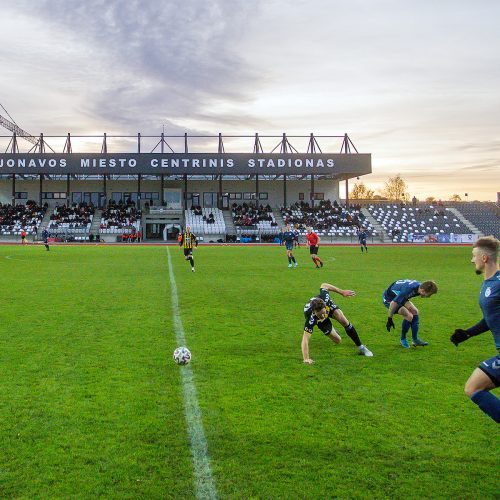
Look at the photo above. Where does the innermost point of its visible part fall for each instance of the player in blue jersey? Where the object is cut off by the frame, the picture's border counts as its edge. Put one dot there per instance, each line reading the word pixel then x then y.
pixel 397 297
pixel 45 238
pixel 319 311
pixel 485 254
pixel 289 238
pixel 362 235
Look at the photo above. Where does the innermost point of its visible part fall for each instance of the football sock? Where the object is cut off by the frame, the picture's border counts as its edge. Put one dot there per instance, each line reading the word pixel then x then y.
pixel 405 326
pixel 289 260
pixel 488 403
pixel 414 326
pixel 47 247
pixel 353 334
pixel 293 258
pixel 191 261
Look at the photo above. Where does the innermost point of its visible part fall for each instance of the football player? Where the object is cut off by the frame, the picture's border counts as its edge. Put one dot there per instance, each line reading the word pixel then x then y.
pixel 319 311
pixel 485 254
pixel 396 298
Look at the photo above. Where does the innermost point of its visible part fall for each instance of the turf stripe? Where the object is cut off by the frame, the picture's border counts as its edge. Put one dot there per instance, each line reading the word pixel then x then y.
pixel 205 484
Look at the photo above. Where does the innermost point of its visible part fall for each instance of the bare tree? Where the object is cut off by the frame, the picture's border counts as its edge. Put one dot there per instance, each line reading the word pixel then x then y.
pixel 396 189
pixel 455 197
pixel 361 192
pixel 430 199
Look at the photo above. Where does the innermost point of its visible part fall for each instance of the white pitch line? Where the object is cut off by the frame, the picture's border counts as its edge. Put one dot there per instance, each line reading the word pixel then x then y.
pixel 205 484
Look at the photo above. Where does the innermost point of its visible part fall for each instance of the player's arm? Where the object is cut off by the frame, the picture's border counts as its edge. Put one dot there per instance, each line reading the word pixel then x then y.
pixel 331 288
pixel 305 347
pixel 181 240
pixel 462 335
pixel 195 240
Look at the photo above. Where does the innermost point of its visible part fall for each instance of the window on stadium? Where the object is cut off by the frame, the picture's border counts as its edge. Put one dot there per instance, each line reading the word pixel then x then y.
pixel 21 195
pixel 209 199
pixel 53 196
pixel 150 195
pixel 249 196
pixel 263 196
pixel 318 196
pixel 301 196
pixel 235 196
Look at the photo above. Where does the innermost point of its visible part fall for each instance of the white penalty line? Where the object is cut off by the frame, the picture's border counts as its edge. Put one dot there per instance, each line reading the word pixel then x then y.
pixel 205 484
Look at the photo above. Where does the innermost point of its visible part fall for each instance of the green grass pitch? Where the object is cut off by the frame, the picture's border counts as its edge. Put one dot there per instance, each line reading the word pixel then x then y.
pixel 91 401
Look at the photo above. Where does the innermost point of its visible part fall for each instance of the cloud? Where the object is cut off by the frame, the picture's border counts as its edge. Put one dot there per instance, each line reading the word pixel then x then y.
pixel 151 62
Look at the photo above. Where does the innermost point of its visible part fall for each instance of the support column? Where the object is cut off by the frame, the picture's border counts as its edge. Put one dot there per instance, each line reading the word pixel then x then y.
pixel 185 192
pixel 138 191
pixel 219 194
pixel 68 191
pixel 105 191
pixel 13 190
pixel 312 190
pixel 257 190
pixel 41 187
pixel 162 191
pixel 284 190
pixel 347 193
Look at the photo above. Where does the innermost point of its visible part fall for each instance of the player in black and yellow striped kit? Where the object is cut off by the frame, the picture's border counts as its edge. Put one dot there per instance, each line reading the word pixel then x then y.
pixel 187 240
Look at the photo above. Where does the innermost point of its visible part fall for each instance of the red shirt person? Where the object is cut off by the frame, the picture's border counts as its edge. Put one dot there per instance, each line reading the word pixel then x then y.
pixel 313 243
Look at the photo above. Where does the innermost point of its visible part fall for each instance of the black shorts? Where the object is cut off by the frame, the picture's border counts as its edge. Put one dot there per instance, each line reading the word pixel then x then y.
pixel 313 250
pixel 492 368
pixel 188 252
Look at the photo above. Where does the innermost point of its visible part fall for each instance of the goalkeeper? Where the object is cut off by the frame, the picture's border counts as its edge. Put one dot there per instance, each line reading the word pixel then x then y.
pixel 485 254
pixel 397 297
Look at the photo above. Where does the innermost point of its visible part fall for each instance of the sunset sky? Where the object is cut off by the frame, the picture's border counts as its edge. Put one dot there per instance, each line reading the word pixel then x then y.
pixel 415 83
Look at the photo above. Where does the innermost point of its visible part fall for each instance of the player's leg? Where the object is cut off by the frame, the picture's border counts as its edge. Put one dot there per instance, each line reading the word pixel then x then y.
pixel 289 255
pixel 482 380
pixel 292 259
pixel 318 260
pixel 327 328
pixel 366 248
pixel 415 324
pixel 405 325
pixel 351 332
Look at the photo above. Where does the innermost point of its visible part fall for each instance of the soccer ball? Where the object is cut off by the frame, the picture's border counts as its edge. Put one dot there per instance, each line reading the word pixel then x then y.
pixel 182 355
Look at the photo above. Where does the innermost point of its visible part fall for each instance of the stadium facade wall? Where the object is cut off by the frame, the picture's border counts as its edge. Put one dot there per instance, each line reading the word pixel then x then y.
pixel 328 189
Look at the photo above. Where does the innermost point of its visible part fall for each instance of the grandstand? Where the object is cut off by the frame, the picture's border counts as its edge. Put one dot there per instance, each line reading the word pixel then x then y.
pixel 401 222
pixel 206 221
pixel 328 219
pixel 484 216
pixel 20 217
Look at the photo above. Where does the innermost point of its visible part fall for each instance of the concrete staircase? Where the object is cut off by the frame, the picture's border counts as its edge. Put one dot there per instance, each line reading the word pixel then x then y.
pixel 472 227
pixel 278 217
pixel 45 222
pixel 376 225
pixel 96 222
pixel 228 221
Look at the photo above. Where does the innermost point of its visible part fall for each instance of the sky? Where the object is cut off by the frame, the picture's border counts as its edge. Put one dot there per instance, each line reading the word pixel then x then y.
pixel 414 83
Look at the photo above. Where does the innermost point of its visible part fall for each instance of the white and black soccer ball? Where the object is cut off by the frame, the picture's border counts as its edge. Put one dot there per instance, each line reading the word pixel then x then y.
pixel 182 355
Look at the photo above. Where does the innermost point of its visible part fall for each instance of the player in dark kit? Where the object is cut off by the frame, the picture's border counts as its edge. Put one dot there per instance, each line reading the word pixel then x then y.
pixel 289 238
pixel 485 254
pixel 362 235
pixel 397 297
pixel 45 238
pixel 319 311
pixel 187 240
pixel 313 242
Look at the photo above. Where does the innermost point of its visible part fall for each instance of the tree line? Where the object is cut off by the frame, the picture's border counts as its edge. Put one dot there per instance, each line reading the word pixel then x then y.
pixel 395 189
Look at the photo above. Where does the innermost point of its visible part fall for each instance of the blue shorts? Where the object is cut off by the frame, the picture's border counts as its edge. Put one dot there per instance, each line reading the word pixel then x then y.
pixel 492 368
pixel 289 245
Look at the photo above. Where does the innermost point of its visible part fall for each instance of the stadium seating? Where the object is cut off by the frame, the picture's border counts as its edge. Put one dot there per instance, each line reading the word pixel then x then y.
pixel 14 219
pixel 119 218
pixel 399 221
pixel 71 220
pixel 482 215
pixel 198 220
pixel 254 220
pixel 327 219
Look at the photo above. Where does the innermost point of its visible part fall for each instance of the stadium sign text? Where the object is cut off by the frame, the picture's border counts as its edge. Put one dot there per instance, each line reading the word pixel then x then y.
pixel 188 163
